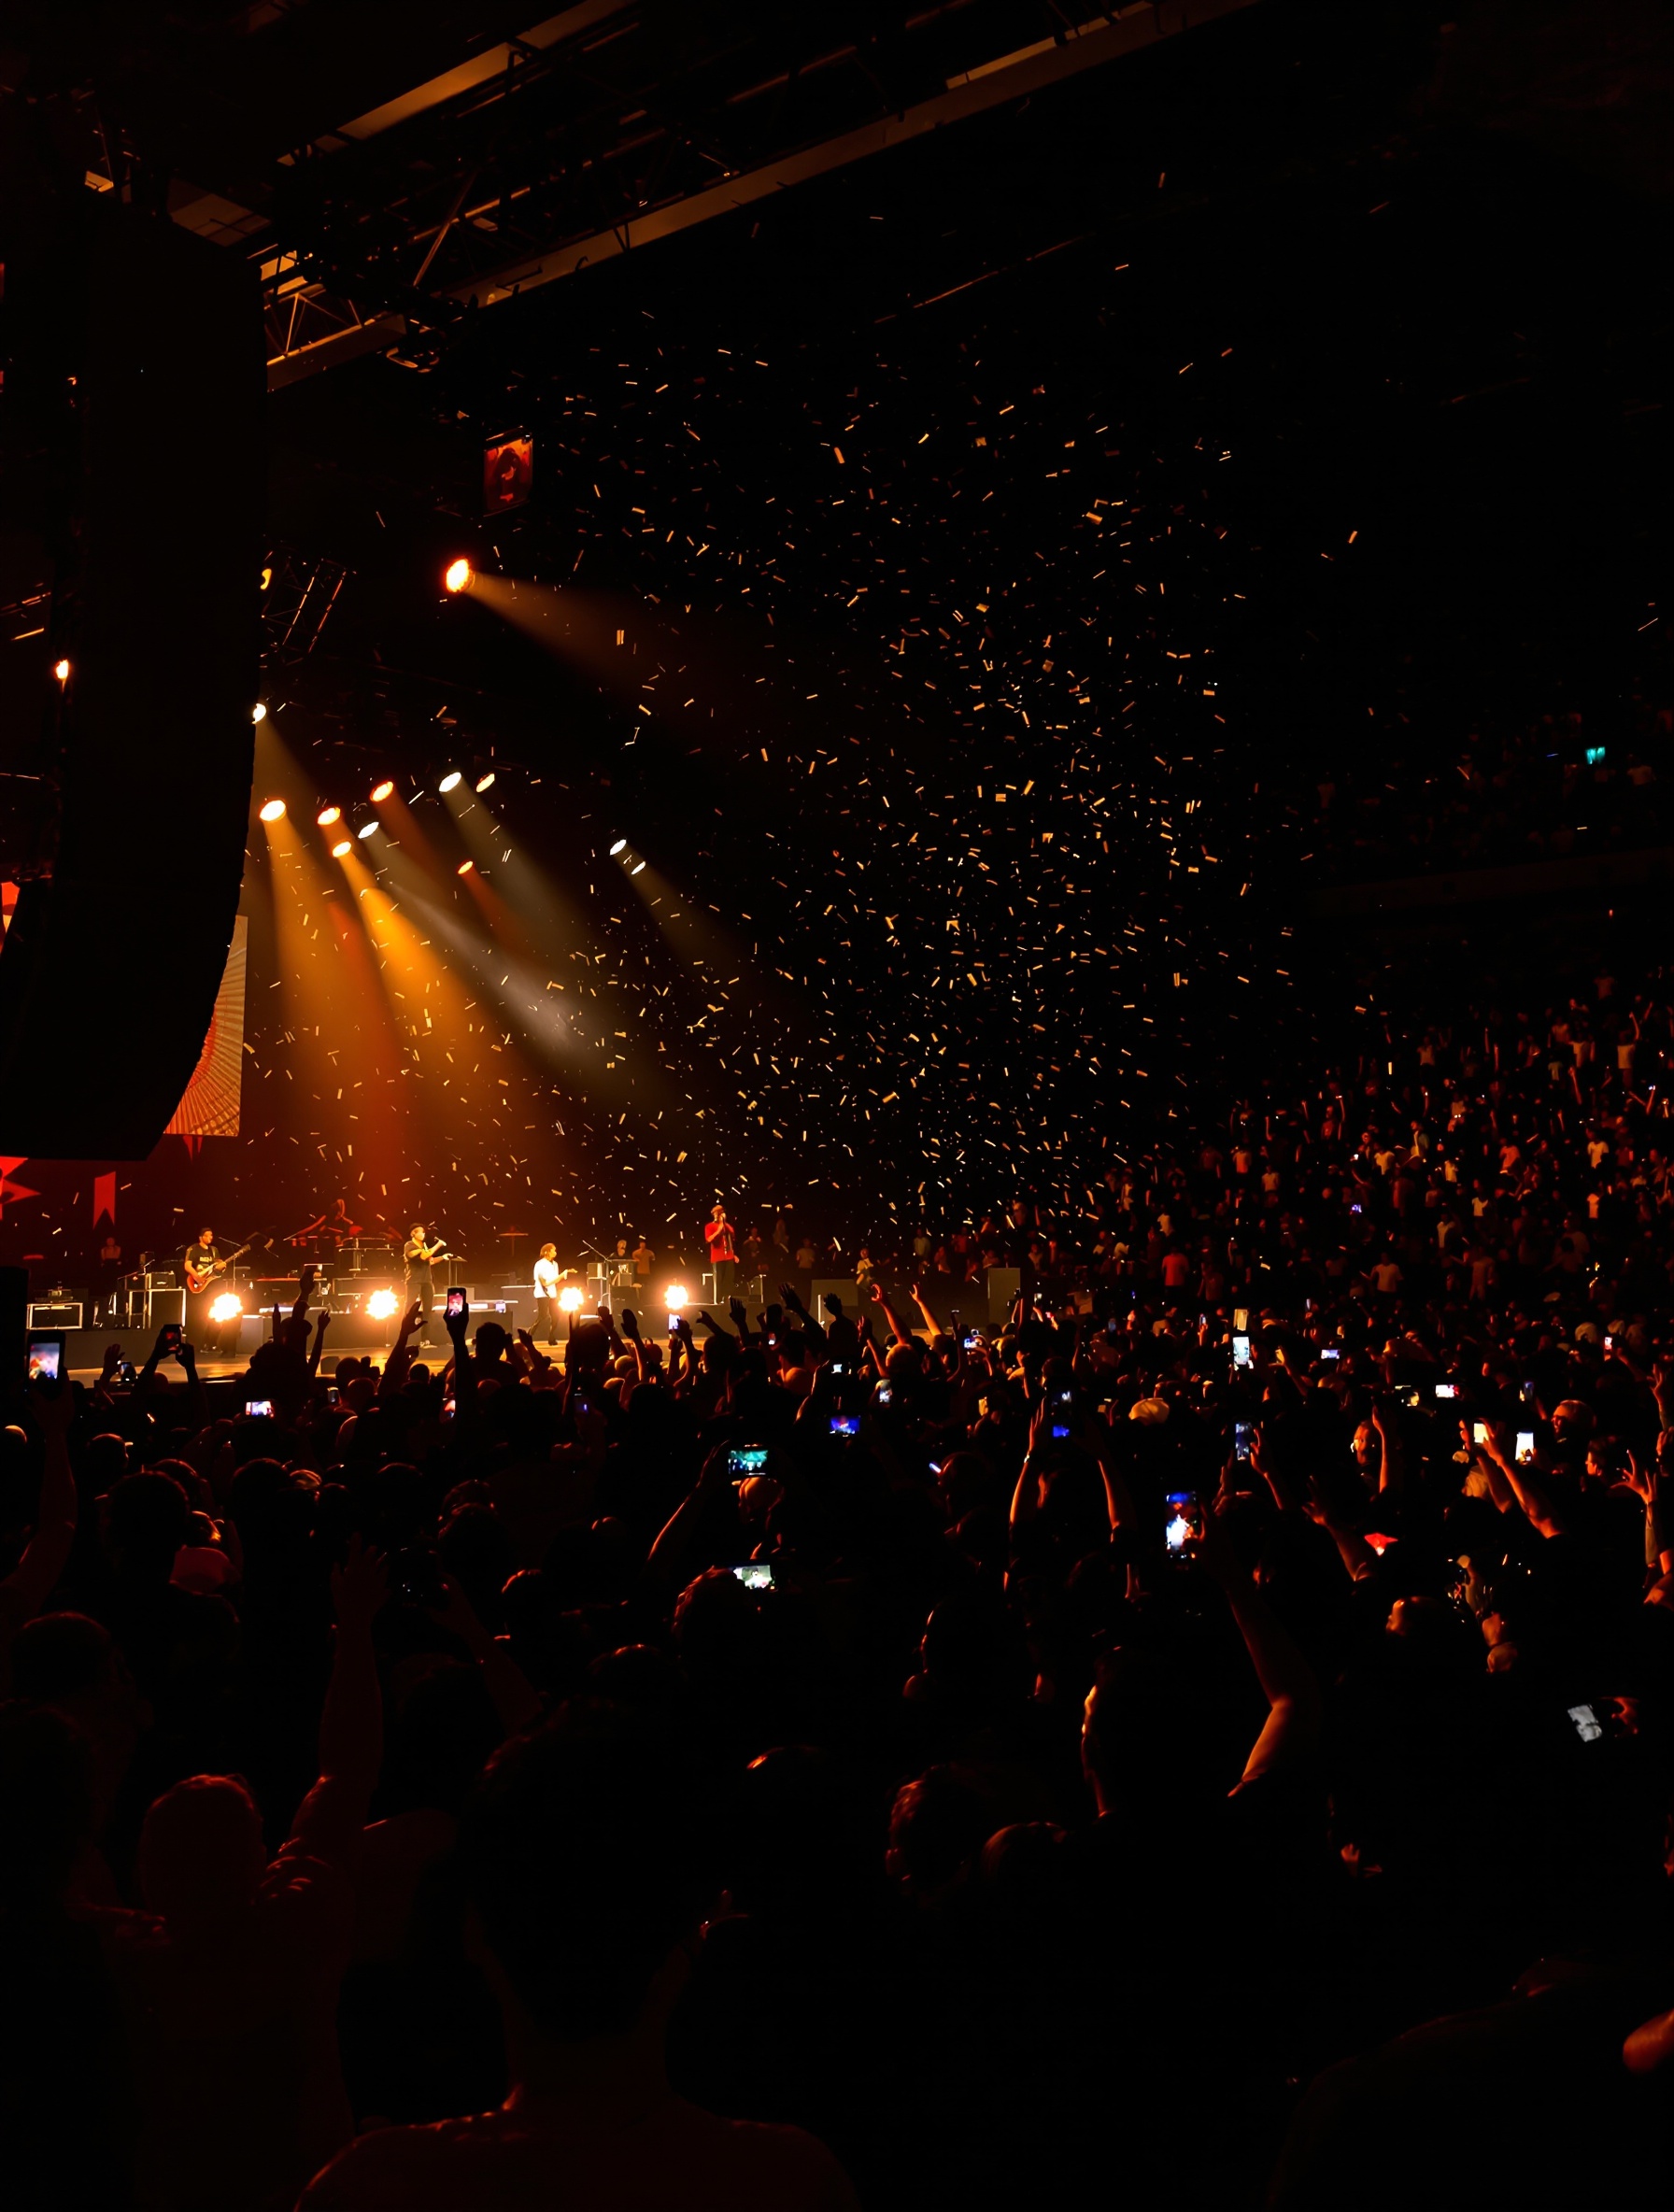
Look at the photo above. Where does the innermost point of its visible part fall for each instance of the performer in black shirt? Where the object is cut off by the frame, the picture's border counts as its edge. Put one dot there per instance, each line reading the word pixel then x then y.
pixel 420 1285
pixel 201 1271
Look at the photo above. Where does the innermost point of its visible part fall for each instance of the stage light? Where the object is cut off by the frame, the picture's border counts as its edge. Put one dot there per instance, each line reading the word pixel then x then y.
pixel 458 576
pixel 465 868
pixel 343 846
pixel 638 868
pixel 673 1298
pixel 328 815
pixel 485 783
pixel 273 810
pixel 258 712
pixel 228 1307
pixel 569 1299
pixel 366 829
pixel 452 781
pixel 382 791
pixel 61 669
pixel 621 846
pixel 383 1305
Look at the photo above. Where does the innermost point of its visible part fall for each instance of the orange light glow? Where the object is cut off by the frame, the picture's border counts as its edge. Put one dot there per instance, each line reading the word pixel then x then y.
pixel 328 815
pixel 274 810
pixel 61 669
pixel 382 791
pixel 343 845
pixel 458 576
pixel 465 867
pixel 486 783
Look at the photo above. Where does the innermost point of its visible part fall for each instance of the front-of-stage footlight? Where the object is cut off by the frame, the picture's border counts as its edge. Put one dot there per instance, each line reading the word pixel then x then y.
pixel 485 782
pixel 457 575
pixel 228 1307
pixel 344 846
pixel 366 829
pixel 569 1299
pixel 383 1305
pixel 673 1298
pixel 61 669
pixel 258 712
pixel 382 791
pixel 452 780
pixel 620 847
pixel 466 868
pixel 273 810
pixel 328 815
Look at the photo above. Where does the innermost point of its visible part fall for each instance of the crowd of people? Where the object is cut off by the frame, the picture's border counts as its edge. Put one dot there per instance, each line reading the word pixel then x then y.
pixel 1204 1736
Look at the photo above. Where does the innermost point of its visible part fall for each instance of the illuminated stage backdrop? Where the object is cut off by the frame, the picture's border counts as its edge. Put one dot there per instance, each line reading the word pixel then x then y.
pixel 209 1104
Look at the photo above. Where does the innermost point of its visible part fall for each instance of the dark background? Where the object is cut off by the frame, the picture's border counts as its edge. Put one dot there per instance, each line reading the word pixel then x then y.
pixel 1363 323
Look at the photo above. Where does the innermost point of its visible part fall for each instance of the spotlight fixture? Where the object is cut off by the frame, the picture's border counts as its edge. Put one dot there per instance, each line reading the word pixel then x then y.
pixel 452 781
pixel 366 829
pixel 61 669
pixel 569 1299
pixel 638 868
pixel 458 576
pixel 228 1307
pixel 343 846
pixel 273 810
pixel 465 868
pixel 382 791
pixel 383 1305
pixel 486 782
pixel 328 815
pixel 258 712
pixel 621 846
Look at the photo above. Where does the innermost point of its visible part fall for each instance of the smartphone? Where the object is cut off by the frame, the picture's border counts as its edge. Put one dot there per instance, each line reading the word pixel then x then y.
pixel 837 1366
pixel 455 1304
pixel 447 1406
pixel 1479 1432
pixel 169 1337
pixel 1356 1208
pixel 1527 1392
pixel 1186 1520
pixel 1525 1446
pixel 1243 1435
pixel 1112 1328
pixel 1240 1349
pixel 674 1321
pixel 883 1395
pixel 1414 1397
pixel 844 1424
pixel 756 1575
pixel 1331 1353
pixel 124 1373
pixel 746 1459
pixel 1064 1397
pixel 257 1409
pixel 45 1358
pixel 334 1397
pixel 1610 1341
pixel 1587 1722
pixel 1447 1390
pixel 971 1340
pixel 1061 1432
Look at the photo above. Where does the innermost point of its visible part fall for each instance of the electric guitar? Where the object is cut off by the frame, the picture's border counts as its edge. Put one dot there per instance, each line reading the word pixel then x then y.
pixel 199 1279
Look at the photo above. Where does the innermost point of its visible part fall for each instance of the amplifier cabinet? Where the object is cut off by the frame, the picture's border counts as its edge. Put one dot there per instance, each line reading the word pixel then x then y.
pixel 64 1314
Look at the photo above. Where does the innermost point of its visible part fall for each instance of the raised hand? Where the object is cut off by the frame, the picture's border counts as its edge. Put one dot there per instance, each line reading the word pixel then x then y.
pixel 359 1586
pixel 630 1324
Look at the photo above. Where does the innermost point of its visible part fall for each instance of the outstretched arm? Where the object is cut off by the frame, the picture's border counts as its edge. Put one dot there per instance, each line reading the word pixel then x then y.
pixel 1291 1731
pixel 351 1728
pixel 47 1554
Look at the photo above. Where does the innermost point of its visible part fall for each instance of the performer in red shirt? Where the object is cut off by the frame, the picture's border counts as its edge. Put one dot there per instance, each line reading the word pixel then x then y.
pixel 723 1253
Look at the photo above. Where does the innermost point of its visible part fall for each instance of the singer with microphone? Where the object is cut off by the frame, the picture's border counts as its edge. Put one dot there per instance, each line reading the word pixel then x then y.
pixel 418 1254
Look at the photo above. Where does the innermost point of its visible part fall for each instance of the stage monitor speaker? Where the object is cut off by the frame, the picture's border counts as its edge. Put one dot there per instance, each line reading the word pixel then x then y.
pixel 111 964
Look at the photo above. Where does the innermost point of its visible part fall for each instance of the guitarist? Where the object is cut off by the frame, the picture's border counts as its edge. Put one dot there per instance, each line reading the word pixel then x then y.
pixel 418 1254
pixel 202 1268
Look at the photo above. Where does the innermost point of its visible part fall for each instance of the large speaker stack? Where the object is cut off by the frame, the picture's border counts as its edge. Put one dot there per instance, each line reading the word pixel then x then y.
pixel 131 425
